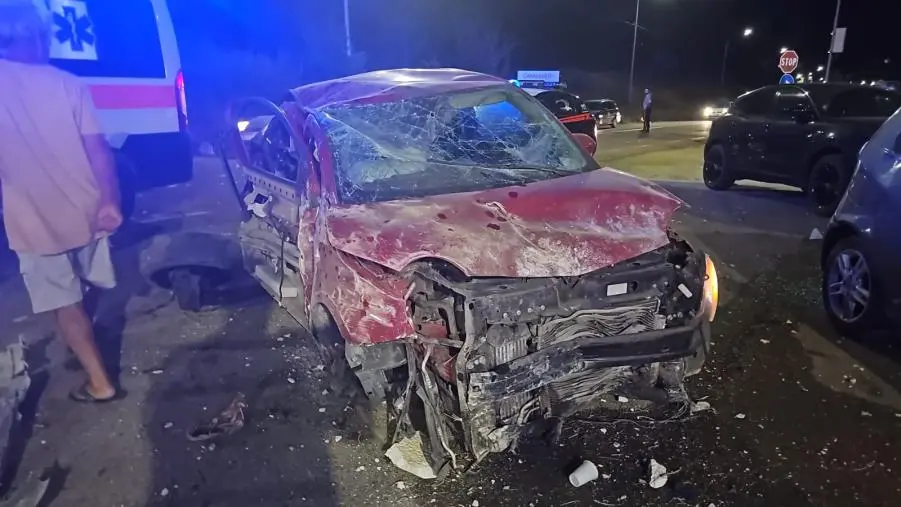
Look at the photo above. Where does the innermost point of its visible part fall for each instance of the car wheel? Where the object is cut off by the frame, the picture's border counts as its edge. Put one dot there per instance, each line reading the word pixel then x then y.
pixel 849 290
pixel 826 184
pixel 188 290
pixel 717 175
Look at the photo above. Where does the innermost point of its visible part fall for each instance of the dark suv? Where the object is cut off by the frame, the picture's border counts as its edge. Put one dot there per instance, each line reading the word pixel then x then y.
pixel 805 136
pixel 605 112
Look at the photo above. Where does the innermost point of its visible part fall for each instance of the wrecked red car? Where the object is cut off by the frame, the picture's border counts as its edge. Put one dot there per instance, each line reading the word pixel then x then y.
pixel 446 238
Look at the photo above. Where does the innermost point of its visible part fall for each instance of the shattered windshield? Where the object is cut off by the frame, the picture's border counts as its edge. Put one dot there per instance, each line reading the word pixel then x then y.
pixel 448 143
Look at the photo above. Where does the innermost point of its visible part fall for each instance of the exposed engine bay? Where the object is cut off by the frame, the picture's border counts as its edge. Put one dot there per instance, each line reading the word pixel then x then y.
pixel 499 354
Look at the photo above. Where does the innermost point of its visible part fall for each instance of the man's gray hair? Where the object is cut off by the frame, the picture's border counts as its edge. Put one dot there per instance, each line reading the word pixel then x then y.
pixel 22 21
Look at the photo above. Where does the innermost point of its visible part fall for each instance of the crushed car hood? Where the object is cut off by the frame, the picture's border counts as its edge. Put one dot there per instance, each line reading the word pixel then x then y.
pixel 566 226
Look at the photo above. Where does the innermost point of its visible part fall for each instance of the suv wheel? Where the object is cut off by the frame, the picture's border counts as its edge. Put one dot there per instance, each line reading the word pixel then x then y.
pixel 849 290
pixel 827 184
pixel 716 173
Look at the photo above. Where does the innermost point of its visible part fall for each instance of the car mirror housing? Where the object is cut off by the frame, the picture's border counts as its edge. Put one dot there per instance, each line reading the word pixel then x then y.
pixel 586 142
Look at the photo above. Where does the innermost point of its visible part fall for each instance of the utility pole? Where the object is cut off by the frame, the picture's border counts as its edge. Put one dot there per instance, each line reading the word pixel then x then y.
pixel 838 7
pixel 347 42
pixel 634 47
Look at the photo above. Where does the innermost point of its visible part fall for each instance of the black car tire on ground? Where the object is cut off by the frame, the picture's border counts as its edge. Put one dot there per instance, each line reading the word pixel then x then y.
pixel 716 173
pixel 188 290
pixel 870 316
pixel 827 183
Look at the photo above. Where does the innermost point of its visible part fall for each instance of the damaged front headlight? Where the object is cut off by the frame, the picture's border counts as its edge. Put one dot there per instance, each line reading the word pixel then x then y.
pixel 711 289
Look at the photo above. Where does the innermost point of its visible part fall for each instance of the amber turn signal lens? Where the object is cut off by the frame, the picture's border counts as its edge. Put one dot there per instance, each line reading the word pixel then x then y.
pixel 711 289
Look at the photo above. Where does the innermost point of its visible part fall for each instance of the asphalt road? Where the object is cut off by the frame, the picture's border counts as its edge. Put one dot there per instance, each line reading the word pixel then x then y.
pixel 800 417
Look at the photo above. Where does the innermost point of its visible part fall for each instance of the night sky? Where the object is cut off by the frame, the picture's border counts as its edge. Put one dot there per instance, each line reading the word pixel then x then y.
pixel 687 37
pixel 680 41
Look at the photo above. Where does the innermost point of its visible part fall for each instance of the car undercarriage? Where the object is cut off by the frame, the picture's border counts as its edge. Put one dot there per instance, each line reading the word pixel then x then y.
pixel 495 355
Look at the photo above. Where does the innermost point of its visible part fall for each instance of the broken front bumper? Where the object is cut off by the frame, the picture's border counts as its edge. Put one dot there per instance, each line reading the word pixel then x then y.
pixel 539 349
pixel 558 362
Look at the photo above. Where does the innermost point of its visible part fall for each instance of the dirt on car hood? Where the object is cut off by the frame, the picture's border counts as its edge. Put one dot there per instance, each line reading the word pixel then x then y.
pixel 560 227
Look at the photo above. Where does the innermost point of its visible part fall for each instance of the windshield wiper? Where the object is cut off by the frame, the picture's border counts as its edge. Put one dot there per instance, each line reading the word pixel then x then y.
pixel 544 169
pixel 509 171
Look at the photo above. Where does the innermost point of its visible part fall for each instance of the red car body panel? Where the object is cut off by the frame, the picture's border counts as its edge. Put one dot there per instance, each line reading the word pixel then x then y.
pixel 566 226
pixel 353 255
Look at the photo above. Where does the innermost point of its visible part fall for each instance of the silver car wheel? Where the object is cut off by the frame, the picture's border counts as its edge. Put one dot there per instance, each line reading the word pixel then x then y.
pixel 849 286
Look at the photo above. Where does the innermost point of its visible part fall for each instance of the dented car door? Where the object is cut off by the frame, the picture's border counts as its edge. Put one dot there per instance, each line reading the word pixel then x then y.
pixel 275 166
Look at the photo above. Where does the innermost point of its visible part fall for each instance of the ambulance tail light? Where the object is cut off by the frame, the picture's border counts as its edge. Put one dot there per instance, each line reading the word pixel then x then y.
pixel 181 101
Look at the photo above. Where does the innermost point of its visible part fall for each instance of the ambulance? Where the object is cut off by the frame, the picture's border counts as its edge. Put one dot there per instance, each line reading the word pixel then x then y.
pixel 127 55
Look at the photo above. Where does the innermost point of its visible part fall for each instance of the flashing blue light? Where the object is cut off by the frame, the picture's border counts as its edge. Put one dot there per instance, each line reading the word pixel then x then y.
pixel 516 83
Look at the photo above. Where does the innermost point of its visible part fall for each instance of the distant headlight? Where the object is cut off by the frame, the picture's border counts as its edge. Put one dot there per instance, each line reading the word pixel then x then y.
pixel 242 125
pixel 707 112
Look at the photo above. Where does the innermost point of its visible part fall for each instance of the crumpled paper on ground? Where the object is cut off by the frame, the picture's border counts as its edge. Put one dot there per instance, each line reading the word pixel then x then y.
pixel 408 455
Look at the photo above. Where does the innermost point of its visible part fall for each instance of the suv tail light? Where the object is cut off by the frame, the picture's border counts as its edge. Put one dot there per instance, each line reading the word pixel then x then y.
pixel 181 101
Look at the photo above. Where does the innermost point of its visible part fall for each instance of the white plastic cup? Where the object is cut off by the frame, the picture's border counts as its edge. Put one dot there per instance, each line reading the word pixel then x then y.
pixel 586 473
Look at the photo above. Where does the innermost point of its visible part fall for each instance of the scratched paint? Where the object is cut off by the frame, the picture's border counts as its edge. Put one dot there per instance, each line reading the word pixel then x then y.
pixel 565 226
pixel 561 227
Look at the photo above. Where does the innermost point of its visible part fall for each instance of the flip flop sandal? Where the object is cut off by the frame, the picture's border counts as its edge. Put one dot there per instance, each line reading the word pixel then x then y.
pixel 82 395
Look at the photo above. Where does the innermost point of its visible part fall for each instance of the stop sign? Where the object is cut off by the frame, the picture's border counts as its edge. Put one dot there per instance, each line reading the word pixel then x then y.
pixel 788 61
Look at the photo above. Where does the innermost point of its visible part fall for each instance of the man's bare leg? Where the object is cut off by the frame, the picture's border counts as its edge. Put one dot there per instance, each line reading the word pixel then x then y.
pixel 79 336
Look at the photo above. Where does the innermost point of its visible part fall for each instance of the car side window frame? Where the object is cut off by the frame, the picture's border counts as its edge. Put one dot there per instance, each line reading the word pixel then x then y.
pixel 762 94
pixel 801 98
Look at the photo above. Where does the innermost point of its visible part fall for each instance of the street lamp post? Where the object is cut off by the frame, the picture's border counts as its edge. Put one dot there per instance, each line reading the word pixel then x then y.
pixel 634 47
pixel 747 33
pixel 838 7
pixel 348 45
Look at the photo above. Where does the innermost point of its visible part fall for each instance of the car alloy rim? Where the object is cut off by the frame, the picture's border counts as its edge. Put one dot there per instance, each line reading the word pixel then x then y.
pixel 713 167
pixel 825 185
pixel 849 286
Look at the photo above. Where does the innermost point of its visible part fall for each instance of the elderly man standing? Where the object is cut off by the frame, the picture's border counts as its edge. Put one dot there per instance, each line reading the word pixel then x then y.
pixel 60 193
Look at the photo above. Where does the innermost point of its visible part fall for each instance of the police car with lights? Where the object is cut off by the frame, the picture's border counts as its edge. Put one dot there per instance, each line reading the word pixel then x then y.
pixel 570 109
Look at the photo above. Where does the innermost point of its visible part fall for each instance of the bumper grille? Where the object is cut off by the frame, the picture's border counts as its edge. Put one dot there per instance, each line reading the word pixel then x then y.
pixel 602 322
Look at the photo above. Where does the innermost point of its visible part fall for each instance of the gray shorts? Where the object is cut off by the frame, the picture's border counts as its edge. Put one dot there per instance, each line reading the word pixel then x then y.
pixel 57 281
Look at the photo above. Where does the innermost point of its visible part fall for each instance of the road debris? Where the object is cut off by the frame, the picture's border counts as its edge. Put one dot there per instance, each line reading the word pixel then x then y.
pixel 227 422
pixel 740 416
pixel 407 454
pixel 657 473
pixel 622 399
pixel 400 485
pixel 14 384
pixel 586 473
pixel 30 494
pixel 700 406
